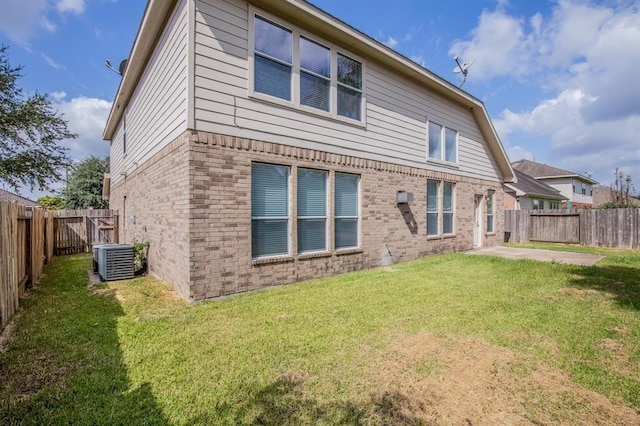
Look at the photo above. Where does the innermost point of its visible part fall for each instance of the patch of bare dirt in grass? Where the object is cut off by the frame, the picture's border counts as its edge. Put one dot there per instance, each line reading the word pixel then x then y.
pixel 615 357
pixel 533 340
pixel 430 380
pixel 572 291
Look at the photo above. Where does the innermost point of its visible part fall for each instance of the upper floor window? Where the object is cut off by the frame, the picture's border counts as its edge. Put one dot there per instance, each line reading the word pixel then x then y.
pixel 349 87
pixel 124 134
pixel 291 67
pixel 584 188
pixel 442 144
pixel 273 61
pixel 315 74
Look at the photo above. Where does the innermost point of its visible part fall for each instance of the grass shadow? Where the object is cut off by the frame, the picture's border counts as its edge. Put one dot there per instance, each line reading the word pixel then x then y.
pixel 70 369
pixel 284 402
pixel 622 282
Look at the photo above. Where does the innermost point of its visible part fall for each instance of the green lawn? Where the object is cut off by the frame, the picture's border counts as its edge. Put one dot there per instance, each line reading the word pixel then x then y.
pixel 438 340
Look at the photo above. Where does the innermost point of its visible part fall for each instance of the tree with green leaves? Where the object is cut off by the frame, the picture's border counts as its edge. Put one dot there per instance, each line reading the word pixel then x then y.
pixel 84 185
pixel 52 202
pixel 29 133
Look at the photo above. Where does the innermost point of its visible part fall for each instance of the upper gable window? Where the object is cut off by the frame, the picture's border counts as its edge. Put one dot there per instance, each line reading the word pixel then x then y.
pixel 273 59
pixel 442 144
pixel 349 87
pixel 315 74
pixel 292 67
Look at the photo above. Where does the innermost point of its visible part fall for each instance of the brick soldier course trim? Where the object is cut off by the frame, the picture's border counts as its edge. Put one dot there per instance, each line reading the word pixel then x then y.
pixel 200 226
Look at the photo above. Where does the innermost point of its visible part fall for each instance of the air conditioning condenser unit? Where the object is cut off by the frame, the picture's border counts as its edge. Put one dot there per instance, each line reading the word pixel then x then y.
pixel 115 262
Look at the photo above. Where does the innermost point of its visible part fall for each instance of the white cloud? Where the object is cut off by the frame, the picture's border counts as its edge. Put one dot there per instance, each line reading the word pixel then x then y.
pixel 418 59
pixel 74 6
pixel 51 62
pixel 549 116
pixel 516 153
pixel 586 56
pixel 391 42
pixel 23 20
pixel 497 46
pixel 48 25
pixel 86 117
pixel 58 96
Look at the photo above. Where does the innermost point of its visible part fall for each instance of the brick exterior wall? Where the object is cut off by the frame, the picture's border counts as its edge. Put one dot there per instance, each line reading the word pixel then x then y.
pixel 509 201
pixel 157 194
pixel 192 201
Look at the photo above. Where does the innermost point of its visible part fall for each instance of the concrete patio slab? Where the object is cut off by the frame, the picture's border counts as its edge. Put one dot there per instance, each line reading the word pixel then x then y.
pixel 540 255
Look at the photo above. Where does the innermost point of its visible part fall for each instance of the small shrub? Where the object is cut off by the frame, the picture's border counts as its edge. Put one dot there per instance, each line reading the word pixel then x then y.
pixel 140 251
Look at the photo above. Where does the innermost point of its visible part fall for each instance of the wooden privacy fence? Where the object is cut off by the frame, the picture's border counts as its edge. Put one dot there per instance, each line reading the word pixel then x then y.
pixel 75 231
pixel 587 227
pixel 25 246
pixel 29 238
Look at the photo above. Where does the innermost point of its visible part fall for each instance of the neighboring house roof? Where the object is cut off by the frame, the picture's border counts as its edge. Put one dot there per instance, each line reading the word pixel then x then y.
pixel 602 195
pixel 323 24
pixel 10 196
pixel 541 171
pixel 529 186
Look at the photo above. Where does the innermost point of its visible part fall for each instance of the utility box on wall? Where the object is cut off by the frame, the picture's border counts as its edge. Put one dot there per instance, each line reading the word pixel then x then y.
pixel 404 197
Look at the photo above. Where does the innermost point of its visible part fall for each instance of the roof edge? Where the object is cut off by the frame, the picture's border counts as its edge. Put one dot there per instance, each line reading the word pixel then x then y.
pixel 157 12
pixel 573 175
pixel 153 22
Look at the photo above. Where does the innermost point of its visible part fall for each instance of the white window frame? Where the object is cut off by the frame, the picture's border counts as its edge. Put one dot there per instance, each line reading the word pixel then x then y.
pixel 326 211
pixel 358 217
pixel 295 79
pixel 491 195
pixel 554 205
pixel 534 204
pixel 443 130
pixel 453 208
pixel 439 207
pixel 440 233
pixel 289 216
pixel 124 135
pixel 314 74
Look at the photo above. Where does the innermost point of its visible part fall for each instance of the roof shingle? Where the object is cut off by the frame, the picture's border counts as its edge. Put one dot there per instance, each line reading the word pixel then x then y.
pixel 539 170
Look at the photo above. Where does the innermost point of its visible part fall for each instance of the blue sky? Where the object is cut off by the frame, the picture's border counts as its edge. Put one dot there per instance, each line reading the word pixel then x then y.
pixel 557 77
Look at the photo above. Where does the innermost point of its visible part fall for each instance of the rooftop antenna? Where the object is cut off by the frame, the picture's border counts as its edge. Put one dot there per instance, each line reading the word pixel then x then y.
pixel 462 69
pixel 121 68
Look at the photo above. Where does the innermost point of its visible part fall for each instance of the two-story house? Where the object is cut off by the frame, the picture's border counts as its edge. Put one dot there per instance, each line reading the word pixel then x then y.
pixel 576 188
pixel 257 143
pixel 531 194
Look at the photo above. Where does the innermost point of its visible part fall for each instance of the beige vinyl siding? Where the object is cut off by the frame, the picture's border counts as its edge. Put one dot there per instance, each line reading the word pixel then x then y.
pixel 157 111
pixel 116 159
pixel 396 109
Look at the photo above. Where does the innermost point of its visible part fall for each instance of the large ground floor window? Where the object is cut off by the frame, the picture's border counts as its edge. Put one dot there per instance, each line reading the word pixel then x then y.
pixel 440 208
pixel 272 211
